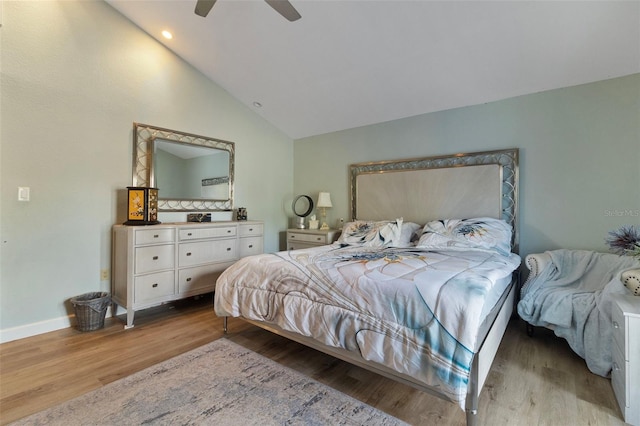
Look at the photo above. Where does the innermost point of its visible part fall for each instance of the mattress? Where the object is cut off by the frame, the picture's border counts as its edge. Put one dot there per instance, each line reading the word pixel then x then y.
pixel 415 311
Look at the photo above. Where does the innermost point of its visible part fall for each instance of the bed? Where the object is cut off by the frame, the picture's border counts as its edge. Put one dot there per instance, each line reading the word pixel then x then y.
pixel 419 287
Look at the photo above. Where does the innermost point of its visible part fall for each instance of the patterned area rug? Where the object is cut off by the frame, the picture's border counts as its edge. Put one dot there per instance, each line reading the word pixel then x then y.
pixel 221 383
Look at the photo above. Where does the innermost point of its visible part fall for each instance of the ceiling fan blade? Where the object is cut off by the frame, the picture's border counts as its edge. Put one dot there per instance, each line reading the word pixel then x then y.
pixel 204 6
pixel 284 8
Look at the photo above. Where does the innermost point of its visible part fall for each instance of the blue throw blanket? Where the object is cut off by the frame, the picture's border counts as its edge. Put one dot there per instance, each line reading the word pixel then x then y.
pixel 572 296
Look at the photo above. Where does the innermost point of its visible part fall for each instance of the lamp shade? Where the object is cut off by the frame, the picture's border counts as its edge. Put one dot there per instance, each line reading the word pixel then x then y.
pixel 324 200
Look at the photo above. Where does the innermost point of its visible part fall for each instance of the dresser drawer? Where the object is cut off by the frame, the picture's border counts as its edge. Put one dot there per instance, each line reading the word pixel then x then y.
pixel 248 230
pixel 190 254
pixel 214 232
pixel 200 278
pixel 153 236
pixel 619 328
pixel 250 246
pixel 154 258
pixel 149 288
pixel 619 376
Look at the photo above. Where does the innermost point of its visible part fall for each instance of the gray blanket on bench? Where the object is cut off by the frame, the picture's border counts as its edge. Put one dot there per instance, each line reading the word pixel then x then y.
pixel 572 296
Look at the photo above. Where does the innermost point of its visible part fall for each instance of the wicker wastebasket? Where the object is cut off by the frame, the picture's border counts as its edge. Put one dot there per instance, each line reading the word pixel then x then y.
pixel 91 308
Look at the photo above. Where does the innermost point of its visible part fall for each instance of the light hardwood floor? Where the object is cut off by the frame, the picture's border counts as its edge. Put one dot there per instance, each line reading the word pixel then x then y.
pixel 534 381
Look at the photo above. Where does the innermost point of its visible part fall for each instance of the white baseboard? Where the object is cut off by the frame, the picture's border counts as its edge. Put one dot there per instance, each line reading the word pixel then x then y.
pixel 40 327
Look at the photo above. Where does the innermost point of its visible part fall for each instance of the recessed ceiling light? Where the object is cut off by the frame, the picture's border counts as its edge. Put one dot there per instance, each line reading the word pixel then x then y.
pixel 167 35
pixel 257 104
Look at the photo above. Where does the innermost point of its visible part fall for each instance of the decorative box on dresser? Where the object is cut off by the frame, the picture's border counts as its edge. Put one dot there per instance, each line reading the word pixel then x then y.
pixel 157 264
pixel 305 238
pixel 625 375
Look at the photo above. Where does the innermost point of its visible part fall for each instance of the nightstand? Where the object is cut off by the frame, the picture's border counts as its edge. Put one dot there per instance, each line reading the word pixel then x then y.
pixel 305 238
pixel 625 375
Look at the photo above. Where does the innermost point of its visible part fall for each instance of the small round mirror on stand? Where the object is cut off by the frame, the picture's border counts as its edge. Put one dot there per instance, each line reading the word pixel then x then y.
pixel 302 207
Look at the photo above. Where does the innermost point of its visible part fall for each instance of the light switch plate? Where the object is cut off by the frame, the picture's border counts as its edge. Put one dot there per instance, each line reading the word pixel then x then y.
pixel 23 193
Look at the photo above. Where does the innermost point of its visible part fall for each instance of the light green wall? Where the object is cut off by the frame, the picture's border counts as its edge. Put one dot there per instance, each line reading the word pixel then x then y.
pixel 74 77
pixel 579 157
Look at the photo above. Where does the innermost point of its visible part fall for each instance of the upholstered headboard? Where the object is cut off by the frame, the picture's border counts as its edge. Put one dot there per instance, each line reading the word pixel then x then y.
pixel 481 184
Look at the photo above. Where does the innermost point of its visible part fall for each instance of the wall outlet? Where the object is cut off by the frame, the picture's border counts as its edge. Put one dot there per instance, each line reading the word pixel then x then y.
pixel 104 274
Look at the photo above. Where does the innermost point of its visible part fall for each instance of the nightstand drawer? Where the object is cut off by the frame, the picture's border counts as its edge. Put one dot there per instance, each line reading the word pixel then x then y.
pixel 299 245
pixel 310 238
pixel 299 239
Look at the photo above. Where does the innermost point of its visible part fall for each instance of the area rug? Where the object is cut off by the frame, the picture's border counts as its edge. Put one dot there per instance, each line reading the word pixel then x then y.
pixel 221 383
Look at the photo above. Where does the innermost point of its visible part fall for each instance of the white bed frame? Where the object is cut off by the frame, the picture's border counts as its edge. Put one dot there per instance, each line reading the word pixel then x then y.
pixel 482 184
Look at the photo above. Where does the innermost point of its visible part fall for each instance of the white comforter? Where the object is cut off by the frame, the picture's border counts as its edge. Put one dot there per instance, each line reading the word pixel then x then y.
pixel 417 312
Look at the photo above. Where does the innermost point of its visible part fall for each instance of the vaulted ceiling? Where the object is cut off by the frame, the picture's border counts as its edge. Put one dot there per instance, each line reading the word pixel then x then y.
pixel 349 63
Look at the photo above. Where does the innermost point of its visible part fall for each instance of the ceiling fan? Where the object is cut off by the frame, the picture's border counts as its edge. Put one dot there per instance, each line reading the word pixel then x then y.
pixel 283 7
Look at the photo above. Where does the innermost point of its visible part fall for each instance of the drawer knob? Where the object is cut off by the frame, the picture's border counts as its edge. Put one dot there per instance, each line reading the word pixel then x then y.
pixel 228 231
pixel 228 248
pixel 156 236
pixel 250 229
pixel 250 245
pixel 155 257
pixel 188 279
pixel 616 325
pixel 189 234
pixel 293 236
pixel 154 285
pixel 189 254
pixel 319 238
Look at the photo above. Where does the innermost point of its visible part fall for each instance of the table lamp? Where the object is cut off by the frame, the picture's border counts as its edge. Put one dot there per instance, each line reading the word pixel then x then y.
pixel 324 202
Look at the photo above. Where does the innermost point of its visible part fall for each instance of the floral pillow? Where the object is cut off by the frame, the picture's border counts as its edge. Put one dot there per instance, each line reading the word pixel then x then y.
pixel 371 234
pixel 483 233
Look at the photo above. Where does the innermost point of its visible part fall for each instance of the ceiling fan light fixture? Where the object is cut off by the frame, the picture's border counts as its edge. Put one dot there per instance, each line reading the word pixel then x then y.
pixel 203 7
pixel 167 34
pixel 283 7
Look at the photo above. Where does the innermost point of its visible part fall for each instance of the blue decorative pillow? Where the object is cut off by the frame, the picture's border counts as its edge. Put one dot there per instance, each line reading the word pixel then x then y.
pixel 371 234
pixel 480 233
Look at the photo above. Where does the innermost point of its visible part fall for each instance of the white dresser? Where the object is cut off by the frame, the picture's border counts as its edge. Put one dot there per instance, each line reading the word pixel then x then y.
pixel 160 263
pixel 625 375
pixel 305 238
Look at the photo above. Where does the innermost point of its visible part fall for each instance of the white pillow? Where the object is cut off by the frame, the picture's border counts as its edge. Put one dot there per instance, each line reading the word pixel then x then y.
pixel 409 235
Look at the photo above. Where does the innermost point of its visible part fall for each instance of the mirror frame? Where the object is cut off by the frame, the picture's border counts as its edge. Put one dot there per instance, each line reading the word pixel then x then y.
pixel 143 137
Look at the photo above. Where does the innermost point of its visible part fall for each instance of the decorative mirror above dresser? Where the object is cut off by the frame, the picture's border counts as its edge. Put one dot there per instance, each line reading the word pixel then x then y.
pixel 191 172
